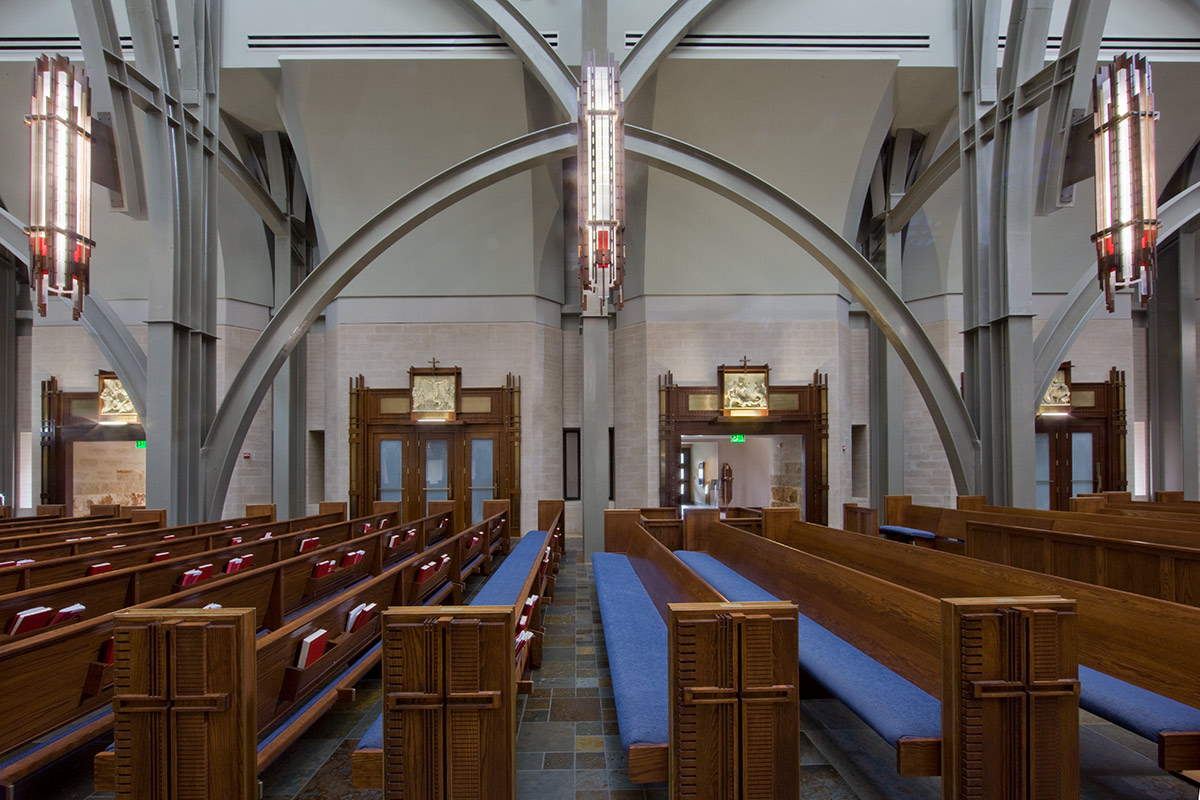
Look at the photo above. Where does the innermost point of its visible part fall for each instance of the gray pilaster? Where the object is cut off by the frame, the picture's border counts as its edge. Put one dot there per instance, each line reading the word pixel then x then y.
pixel 8 383
pixel 1172 369
pixel 288 462
pixel 594 434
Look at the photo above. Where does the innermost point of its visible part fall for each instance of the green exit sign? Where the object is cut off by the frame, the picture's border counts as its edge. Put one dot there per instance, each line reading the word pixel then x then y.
pixel 737 438
pixel 140 444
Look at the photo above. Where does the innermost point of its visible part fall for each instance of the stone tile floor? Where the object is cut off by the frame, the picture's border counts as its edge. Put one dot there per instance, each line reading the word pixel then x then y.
pixel 568 747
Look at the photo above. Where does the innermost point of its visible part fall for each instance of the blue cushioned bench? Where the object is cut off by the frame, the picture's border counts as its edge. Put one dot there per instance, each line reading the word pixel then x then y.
pixel 636 638
pixel 891 705
pixel 521 582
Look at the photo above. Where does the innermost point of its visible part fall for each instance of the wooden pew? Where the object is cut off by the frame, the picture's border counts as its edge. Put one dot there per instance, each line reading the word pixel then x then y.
pixel 452 674
pixel 15 539
pixel 948 524
pixel 956 646
pixel 1166 572
pixel 721 664
pixel 78 688
pixel 45 565
pixel 110 591
pixel 284 699
pixel 1142 641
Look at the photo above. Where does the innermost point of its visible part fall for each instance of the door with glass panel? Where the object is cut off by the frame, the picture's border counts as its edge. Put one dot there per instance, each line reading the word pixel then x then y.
pixel 435 469
pixel 1067 463
pixel 391 451
pixel 481 454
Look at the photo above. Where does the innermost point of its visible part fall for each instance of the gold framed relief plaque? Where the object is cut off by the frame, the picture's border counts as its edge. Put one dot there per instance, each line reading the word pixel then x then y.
pixel 115 406
pixel 434 392
pixel 745 390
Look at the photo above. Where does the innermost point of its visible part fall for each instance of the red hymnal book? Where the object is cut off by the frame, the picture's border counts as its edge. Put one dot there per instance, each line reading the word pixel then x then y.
pixel 117 546
pixel 366 527
pixel 475 539
pixel 383 523
pixel 160 557
pixel 234 565
pixel 189 577
pixel 107 656
pixel 410 534
pixel 523 639
pixel 443 522
pixel 22 562
pixel 311 543
pixel 360 615
pixel 323 568
pixel 247 560
pixel 4 564
pixel 30 619
pixel 234 540
pixel 393 540
pixel 168 536
pixel 426 571
pixel 311 648
pixel 227 527
pixel 267 535
pixel 353 557
pixel 244 525
pixel 205 571
pixel 71 612
pixel 96 569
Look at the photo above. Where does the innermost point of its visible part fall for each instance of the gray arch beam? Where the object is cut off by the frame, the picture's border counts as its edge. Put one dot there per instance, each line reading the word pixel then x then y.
pixel 533 50
pixel 297 314
pixel 303 307
pixel 1072 315
pixel 109 333
pixel 658 42
pixel 950 417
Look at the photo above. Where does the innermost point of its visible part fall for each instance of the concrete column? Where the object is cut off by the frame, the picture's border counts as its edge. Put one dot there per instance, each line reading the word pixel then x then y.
pixel 594 433
pixel 1171 371
pixel 9 382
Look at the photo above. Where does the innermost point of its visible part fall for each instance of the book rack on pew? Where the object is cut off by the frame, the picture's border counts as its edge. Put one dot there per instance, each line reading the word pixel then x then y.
pixel 285 695
pixel 451 676
pixel 62 715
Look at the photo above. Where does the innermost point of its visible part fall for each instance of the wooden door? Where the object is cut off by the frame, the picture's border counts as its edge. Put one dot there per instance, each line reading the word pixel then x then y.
pixel 1070 457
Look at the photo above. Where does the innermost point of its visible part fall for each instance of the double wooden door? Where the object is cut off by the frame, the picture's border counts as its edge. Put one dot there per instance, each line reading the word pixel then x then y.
pixel 452 463
pixel 1069 461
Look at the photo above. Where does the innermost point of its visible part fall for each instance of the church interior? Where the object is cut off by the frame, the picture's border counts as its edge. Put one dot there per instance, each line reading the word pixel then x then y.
pixel 349 349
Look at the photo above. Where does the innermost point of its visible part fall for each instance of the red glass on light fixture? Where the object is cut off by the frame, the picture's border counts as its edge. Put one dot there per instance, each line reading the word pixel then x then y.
pixel 1126 191
pixel 60 182
pixel 601 188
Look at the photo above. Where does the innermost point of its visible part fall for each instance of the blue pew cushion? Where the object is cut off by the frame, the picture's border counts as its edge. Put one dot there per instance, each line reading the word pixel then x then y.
pixel 373 738
pixel 911 533
pixel 636 638
pixel 891 705
pixel 504 586
pixel 1139 710
pixel 723 579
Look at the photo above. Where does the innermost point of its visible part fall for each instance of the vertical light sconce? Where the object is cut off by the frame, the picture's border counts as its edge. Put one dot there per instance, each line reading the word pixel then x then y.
pixel 1126 192
pixel 601 188
pixel 60 182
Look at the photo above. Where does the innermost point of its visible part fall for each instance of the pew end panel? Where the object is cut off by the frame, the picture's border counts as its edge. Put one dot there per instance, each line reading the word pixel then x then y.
pixel 734 672
pixel 262 509
pixel 1010 687
pixel 333 508
pixel 196 668
pixel 449 670
pixel 860 519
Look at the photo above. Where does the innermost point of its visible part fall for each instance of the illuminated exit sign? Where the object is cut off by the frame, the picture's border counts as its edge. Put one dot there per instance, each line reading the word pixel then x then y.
pixel 140 444
pixel 737 438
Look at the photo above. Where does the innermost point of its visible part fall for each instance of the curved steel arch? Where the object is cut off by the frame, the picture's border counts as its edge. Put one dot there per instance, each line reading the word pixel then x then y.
pixel 839 257
pixel 303 307
pixel 658 42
